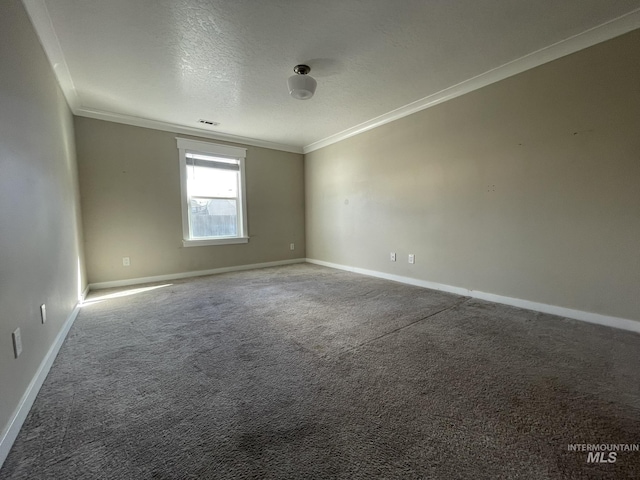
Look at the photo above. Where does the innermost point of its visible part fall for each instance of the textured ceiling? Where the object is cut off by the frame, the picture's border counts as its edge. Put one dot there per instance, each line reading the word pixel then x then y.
pixel 178 61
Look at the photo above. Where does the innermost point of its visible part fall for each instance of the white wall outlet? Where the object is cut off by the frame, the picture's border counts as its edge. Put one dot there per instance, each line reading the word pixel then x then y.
pixel 17 343
pixel 126 261
pixel 43 313
pixel 292 246
pixel 392 256
pixel 412 258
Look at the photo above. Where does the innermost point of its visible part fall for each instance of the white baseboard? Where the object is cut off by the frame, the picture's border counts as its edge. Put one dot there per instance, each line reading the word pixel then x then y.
pixel 616 322
pixel 11 430
pixel 84 293
pixel 197 273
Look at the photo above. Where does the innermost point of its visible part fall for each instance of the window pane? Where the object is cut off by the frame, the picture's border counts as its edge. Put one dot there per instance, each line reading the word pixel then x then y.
pixel 211 182
pixel 213 217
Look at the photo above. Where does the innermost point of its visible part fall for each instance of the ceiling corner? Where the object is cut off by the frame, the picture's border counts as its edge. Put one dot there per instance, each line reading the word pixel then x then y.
pixel 598 34
pixel 186 130
pixel 39 15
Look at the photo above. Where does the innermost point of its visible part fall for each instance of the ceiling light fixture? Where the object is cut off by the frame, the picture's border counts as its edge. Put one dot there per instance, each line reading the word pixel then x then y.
pixel 302 86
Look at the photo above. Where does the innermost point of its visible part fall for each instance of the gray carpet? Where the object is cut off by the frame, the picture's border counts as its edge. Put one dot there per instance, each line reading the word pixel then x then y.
pixel 307 372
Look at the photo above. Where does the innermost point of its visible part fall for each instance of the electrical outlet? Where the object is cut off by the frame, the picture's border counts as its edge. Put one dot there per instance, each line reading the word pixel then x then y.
pixel 43 313
pixel 392 256
pixel 17 343
pixel 292 246
pixel 412 258
pixel 126 261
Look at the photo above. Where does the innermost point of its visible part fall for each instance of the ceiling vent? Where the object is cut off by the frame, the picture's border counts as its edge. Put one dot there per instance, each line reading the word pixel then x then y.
pixel 209 122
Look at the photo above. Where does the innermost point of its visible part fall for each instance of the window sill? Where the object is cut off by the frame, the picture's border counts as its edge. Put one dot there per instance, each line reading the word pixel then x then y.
pixel 214 241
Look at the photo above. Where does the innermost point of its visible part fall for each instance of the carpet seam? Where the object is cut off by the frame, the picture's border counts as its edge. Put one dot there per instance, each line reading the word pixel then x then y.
pixel 405 326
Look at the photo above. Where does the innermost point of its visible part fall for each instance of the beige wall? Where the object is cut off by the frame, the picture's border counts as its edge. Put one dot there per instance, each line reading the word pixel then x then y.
pixel 39 208
pixel 527 188
pixel 130 189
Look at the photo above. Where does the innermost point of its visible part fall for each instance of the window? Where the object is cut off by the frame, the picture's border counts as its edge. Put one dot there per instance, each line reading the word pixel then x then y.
pixel 213 193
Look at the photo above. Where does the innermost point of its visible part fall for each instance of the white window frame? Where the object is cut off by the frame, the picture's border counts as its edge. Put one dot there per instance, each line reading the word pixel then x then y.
pixel 205 148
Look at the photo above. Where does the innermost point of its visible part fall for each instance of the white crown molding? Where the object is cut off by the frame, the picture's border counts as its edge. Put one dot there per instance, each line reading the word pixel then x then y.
pixel 175 128
pixel 41 20
pixel 588 38
pixel 606 320
pixel 39 15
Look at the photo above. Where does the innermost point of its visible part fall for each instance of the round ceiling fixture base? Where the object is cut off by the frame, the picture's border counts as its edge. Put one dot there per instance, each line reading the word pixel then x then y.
pixel 302 69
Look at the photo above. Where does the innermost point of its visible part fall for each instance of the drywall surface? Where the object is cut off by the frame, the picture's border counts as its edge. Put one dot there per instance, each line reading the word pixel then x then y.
pixel 40 243
pixel 528 188
pixel 130 189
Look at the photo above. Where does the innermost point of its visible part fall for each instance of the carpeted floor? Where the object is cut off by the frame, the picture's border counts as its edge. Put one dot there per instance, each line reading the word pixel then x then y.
pixel 304 372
